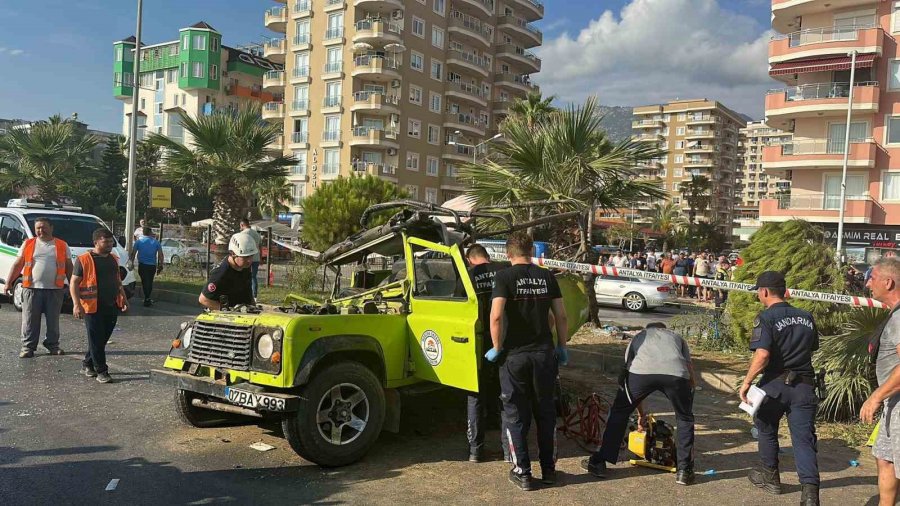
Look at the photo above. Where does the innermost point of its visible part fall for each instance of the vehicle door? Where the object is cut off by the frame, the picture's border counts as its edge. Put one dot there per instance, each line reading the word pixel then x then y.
pixel 444 345
pixel 168 248
pixel 608 289
pixel 12 236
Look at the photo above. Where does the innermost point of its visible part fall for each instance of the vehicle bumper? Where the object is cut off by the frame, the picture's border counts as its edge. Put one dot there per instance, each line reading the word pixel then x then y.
pixel 208 386
pixel 658 301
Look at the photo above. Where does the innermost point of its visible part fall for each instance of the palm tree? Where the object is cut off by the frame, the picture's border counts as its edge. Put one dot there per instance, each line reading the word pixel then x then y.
pixel 271 195
pixel 696 193
pixel 45 158
pixel 533 108
pixel 227 156
pixel 667 220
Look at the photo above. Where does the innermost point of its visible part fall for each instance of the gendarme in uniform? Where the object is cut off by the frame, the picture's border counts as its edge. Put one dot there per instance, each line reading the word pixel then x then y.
pixel 789 335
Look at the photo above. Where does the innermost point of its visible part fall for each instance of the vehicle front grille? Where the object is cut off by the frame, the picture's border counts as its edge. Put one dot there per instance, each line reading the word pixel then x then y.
pixel 222 345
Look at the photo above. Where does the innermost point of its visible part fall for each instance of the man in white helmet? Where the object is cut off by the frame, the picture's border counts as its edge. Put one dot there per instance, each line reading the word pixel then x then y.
pixel 229 283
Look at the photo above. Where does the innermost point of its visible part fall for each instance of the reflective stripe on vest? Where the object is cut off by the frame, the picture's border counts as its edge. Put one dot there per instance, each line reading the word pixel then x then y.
pixel 28 256
pixel 87 289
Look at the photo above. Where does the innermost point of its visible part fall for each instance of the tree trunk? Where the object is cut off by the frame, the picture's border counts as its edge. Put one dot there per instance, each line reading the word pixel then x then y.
pixel 228 208
pixel 584 253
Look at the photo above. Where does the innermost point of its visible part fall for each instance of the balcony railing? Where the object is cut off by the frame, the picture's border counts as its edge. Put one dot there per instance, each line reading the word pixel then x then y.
pixel 365 131
pixel 467 119
pixel 476 60
pixel 825 34
pixel 818 91
pixel 331 136
pixel 301 39
pixel 301 71
pixel 521 23
pixel 334 33
pixel 300 137
pixel 817 202
pixel 466 88
pixel 332 67
pixel 300 105
pixel 376 168
pixel 471 24
pixel 817 147
pixel 302 5
pixel 519 51
pixel 366 96
pixel 523 80
pixel 384 26
pixel 334 101
pixel 370 60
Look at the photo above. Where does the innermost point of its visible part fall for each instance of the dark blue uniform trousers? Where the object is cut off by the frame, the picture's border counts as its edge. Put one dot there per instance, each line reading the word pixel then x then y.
pixel 799 403
pixel 486 403
pixel 527 382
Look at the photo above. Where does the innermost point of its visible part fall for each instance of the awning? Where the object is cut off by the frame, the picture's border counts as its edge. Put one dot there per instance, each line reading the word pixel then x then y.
pixel 820 64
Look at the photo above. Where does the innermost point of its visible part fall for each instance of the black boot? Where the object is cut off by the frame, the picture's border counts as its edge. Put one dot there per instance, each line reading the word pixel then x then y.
pixel 810 495
pixel 685 476
pixel 766 479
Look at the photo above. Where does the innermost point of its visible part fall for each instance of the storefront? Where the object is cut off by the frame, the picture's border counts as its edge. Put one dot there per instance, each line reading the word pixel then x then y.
pixel 865 243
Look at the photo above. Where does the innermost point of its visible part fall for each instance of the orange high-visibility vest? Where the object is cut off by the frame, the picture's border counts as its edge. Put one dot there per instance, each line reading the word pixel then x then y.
pixel 28 256
pixel 88 286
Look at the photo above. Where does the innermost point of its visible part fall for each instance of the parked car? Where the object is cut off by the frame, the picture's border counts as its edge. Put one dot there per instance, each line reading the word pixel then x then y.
pixel 633 294
pixel 176 250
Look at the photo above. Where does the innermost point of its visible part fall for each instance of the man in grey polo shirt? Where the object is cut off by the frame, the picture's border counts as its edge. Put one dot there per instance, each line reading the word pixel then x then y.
pixel 657 360
pixel 884 348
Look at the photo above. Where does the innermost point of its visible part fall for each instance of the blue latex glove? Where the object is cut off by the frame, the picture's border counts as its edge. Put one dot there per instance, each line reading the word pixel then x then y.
pixel 492 355
pixel 562 354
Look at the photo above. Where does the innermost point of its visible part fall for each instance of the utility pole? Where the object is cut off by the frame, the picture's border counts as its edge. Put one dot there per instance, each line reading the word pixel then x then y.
pixel 843 202
pixel 132 135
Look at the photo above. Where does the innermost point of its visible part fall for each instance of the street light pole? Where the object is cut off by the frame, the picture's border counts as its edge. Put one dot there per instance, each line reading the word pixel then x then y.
pixel 132 134
pixel 840 230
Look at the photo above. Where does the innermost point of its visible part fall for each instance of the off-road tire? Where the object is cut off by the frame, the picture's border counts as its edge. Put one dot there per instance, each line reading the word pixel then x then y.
pixel 303 432
pixel 200 417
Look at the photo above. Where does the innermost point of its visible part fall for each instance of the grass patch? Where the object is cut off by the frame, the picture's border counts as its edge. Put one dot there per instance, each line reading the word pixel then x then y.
pixel 853 434
pixel 267 294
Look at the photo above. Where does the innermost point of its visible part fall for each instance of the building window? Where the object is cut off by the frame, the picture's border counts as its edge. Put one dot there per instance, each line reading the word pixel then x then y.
pixel 200 42
pixel 120 53
pixel 679 145
pixel 214 72
pixel 412 161
pixel 415 94
pixel 413 191
pixel 434 134
pixel 300 168
pixel 437 70
pixel 682 117
pixel 184 69
pixel 143 104
pixel 894 74
pixel 439 6
pixel 171 76
pixel 674 187
pixel 332 165
pixel 437 37
pixel 679 131
pixel 415 129
pixel 431 195
pixel 418 27
pixel 891 186
pixel 679 158
pixel 434 104
pixel 185 43
pixel 214 44
pixel 677 172
pixel 433 167
pixel 416 61
pixel 892 136
pixel 198 70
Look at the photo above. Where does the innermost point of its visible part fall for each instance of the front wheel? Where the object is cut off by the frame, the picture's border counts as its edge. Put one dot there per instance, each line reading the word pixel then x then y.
pixel 17 295
pixel 196 416
pixel 634 302
pixel 340 416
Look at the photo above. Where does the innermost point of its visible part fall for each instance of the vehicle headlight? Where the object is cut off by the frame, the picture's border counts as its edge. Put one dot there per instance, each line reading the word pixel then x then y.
pixel 278 334
pixel 265 346
pixel 186 337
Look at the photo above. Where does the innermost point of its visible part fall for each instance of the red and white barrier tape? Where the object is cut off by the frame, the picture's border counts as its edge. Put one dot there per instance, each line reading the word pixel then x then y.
pixel 835 298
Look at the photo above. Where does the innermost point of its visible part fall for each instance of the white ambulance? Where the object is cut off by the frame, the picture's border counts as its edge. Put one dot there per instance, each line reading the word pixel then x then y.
pixel 76 228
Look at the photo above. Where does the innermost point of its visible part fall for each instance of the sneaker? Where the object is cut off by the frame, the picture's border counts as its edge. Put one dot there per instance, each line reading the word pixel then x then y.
pixel 88 371
pixel 766 479
pixel 685 476
pixel 597 470
pixel 26 354
pixel 523 481
pixel 548 476
pixel 475 455
pixel 104 377
pixel 57 352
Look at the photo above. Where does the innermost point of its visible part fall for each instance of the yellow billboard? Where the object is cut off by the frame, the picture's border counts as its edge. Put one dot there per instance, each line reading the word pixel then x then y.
pixel 160 197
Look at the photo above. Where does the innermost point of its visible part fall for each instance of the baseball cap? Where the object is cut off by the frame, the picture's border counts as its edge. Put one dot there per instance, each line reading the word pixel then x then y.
pixel 770 279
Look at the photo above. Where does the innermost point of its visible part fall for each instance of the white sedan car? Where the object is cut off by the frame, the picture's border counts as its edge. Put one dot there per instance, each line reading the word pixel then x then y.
pixel 632 293
pixel 176 250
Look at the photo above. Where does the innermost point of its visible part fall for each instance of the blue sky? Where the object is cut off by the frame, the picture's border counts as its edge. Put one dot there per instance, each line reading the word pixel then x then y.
pixel 57 54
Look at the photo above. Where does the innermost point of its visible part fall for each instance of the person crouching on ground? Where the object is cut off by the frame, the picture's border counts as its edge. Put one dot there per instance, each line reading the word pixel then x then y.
pixel 656 360
pixel 98 298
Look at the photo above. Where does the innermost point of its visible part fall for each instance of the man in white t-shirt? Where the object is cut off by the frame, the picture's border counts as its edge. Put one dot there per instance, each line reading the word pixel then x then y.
pixel 139 232
pixel 45 264
pixel 619 260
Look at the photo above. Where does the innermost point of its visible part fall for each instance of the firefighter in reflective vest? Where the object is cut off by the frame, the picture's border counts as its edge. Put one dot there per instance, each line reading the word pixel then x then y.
pixel 98 297
pixel 45 264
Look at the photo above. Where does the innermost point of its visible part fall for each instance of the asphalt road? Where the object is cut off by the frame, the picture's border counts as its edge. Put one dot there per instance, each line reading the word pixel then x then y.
pixel 64 437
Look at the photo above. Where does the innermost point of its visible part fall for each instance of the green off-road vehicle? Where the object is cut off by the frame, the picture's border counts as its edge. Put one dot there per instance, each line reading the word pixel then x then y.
pixel 332 371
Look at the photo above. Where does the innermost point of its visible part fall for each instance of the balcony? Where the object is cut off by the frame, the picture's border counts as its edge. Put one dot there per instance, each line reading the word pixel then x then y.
pixel 533 10
pixel 334 5
pixel 277 145
pixel 466 91
pixel 299 140
pixel 276 19
pixel 370 137
pixel 378 169
pixel 819 208
pixel 333 70
pixel 705 148
pixel 468 62
pixel 821 99
pixel 273 111
pixel 648 137
pixel 300 75
pixel 470 29
pixel 301 9
pixel 817 153
pixel 647 123
pixel 332 104
pixel 382 6
pixel 701 119
pixel 828 41
pixel 379 32
pixel 700 162
pixel 273 80
pixel 275 49
pixel 785 13
pixel 519 56
pixel 375 102
pixel 518 27
pixel 333 36
pixel 299 108
pixel 477 8
pixel 465 122
pixel 700 133
pixel 501 106
pixel 331 139
pixel 515 81
pixel 301 42
pixel 376 68
pixel 457 152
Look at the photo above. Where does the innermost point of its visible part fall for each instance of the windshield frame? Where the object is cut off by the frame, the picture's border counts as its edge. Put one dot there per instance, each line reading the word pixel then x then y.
pixel 58 219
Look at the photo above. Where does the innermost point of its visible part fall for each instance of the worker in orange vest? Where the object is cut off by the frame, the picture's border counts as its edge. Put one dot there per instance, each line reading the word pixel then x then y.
pixel 98 298
pixel 45 263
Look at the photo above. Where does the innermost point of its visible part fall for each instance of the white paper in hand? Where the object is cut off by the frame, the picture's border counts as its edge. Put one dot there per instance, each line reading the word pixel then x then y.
pixel 755 395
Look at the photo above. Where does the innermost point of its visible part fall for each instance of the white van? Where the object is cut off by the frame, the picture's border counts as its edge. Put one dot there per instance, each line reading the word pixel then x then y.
pixel 17 225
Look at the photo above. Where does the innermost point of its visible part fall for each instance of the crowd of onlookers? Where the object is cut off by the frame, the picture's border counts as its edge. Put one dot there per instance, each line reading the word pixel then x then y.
pixel 702 265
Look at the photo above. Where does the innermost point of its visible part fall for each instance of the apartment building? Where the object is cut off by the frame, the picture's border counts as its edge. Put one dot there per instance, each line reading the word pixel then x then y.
pixel 700 138
pixel 752 183
pixel 809 57
pixel 194 74
pixel 404 90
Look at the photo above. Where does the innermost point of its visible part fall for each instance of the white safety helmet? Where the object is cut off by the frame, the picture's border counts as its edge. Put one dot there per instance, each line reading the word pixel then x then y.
pixel 243 245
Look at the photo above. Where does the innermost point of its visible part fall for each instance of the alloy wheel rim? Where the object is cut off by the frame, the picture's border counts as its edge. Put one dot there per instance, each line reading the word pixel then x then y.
pixel 343 414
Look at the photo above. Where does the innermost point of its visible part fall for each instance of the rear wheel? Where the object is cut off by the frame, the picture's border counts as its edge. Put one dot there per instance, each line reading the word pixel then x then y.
pixel 200 417
pixel 340 417
pixel 174 260
pixel 634 301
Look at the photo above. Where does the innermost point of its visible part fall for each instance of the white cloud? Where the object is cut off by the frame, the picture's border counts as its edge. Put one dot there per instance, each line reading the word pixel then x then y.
pixel 11 51
pixel 659 50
